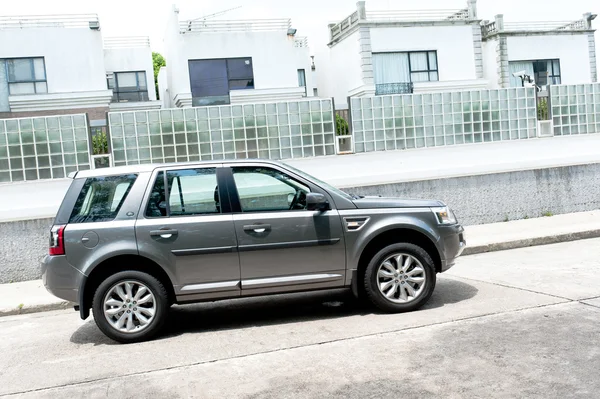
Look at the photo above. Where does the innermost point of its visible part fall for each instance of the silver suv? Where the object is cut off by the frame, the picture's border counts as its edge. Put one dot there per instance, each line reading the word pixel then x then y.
pixel 129 242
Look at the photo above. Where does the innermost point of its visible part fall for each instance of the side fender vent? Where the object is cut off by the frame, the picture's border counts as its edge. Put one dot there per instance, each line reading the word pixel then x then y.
pixel 356 223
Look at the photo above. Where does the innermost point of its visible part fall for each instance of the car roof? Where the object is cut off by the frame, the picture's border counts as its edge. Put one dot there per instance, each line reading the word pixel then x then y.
pixel 123 170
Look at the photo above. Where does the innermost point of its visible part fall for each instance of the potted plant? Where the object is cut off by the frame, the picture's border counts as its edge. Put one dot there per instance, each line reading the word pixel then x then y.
pixel 343 136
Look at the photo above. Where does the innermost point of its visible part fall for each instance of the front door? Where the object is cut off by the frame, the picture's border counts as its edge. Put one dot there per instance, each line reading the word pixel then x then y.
pixel 283 246
pixel 187 228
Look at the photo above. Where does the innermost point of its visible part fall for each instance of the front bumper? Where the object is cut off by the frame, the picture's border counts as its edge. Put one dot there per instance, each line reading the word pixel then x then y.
pixel 60 278
pixel 453 242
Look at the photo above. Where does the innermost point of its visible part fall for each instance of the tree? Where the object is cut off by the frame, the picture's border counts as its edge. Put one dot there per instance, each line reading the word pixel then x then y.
pixel 158 61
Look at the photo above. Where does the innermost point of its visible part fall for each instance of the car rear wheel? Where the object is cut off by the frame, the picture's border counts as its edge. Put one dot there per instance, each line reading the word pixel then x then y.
pixel 400 278
pixel 130 306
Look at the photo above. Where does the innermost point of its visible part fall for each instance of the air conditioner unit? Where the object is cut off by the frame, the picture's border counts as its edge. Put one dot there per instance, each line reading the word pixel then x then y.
pixel 545 128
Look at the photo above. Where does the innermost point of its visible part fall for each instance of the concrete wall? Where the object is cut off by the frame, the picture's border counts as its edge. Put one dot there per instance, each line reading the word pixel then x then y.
pixel 454 45
pixel 22 245
pixel 572 50
pixel 475 199
pixel 339 70
pixel 73 56
pixel 490 63
pixel 497 197
pixel 130 60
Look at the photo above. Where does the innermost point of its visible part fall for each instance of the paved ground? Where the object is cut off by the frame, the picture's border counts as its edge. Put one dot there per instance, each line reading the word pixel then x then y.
pixel 21 200
pixel 519 323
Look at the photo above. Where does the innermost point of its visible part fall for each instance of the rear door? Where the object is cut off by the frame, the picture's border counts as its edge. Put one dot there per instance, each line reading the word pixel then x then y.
pixel 187 226
pixel 283 246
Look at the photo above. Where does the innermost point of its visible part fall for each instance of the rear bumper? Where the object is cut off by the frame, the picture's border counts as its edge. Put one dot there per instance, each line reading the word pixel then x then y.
pixel 453 242
pixel 60 278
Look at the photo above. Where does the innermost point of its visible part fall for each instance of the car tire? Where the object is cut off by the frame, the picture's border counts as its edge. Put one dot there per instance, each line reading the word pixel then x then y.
pixel 418 278
pixel 123 318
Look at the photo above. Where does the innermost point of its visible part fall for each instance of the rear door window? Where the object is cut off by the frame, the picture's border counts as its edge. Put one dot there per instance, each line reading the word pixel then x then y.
pixel 101 198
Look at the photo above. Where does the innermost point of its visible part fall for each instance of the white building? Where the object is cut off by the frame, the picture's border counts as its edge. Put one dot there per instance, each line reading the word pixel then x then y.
pixel 548 52
pixel 130 73
pixel 392 52
pixel 226 62
pixel 58 65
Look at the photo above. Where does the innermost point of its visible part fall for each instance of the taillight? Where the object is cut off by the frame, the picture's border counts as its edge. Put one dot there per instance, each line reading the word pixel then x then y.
pixel 57 241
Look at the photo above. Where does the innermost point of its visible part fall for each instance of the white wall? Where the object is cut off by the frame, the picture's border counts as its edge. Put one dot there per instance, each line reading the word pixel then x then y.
pixel 163 88
pixel 490 64
pixel 129 60
pixel 339 70
pixel 303 61
pixel 454 45
pixel 73 56
pixel 274 57
pixel 572 50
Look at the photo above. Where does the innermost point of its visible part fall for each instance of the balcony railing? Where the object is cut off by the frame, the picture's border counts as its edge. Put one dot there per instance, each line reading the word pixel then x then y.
pixel 301 42
pixel 393 88
pixel 492 28
pixel 250 25
pixel 418 15
pixel 337 30
pixel 50 21
pixel 126 42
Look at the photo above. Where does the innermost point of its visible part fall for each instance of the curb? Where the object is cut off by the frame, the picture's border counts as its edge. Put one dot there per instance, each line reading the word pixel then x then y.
pixel 35 309
pixel 531 242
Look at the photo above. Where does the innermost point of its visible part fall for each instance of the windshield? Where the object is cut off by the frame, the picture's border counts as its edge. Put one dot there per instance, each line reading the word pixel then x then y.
pixel 321 183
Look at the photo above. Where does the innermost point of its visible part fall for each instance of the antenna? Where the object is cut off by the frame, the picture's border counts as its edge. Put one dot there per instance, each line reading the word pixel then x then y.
pixel 205 17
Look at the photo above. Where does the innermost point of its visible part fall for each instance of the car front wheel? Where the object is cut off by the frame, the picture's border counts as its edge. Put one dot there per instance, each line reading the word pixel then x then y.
pixel 130 306
pixel 400 278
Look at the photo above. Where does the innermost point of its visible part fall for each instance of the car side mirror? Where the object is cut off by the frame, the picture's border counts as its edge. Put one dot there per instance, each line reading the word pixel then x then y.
pixel 317 202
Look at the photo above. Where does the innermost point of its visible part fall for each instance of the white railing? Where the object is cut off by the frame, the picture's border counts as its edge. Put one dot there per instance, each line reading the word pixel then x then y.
pixel 488 29
pixel 347 23
pixel 301 41
pixel 50 21
pixel 545 26
pixel 126 42
pixel 253 25
pixel 418 15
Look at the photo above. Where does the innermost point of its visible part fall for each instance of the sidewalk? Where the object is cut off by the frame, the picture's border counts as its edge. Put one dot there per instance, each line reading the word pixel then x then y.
pixel 31 296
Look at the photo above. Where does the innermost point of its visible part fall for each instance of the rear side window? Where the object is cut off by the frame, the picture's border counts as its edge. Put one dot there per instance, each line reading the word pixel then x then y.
pixel 101 198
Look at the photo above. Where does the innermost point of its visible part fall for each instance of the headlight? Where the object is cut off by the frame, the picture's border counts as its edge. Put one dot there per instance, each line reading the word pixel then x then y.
pixel 444 215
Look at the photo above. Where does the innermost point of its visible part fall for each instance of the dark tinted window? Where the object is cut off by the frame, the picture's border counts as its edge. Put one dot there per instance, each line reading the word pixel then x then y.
pixel 101 198
pixel 157 204
pixel 212 80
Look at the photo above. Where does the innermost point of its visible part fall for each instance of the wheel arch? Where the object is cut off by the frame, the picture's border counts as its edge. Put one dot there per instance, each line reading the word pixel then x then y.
pixel 117 264
pixel 399 234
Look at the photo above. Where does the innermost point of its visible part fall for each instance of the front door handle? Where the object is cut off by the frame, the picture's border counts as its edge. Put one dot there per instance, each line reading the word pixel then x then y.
pixel 164 233
pixel 258 228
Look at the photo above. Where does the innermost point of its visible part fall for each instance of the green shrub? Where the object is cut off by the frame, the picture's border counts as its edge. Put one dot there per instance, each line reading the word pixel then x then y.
pixel 100 143
pixel 341 125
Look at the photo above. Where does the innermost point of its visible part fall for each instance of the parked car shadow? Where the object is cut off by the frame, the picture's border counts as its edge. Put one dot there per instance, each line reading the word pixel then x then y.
pixel 273 310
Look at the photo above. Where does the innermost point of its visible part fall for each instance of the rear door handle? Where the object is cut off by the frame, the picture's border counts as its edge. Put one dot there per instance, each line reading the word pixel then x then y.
pixel 164 233
pixel 258 228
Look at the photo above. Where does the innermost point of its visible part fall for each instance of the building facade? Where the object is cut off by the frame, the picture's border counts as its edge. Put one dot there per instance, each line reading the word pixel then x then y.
pixel 394 52
pixel 214 62
pixel 53 65
pixel 548 52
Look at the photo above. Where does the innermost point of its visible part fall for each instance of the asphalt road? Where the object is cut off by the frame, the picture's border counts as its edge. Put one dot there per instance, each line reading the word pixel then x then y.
pixel 520 323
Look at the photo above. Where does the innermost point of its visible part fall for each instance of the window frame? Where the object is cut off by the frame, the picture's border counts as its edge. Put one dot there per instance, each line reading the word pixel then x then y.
pixel 235 196
pixel 34 81
pixel 88 200
pixel 224 198
pixel 551 76
pixel 116 90
pixel 302 73
pixel 410 70
pixel 229 78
